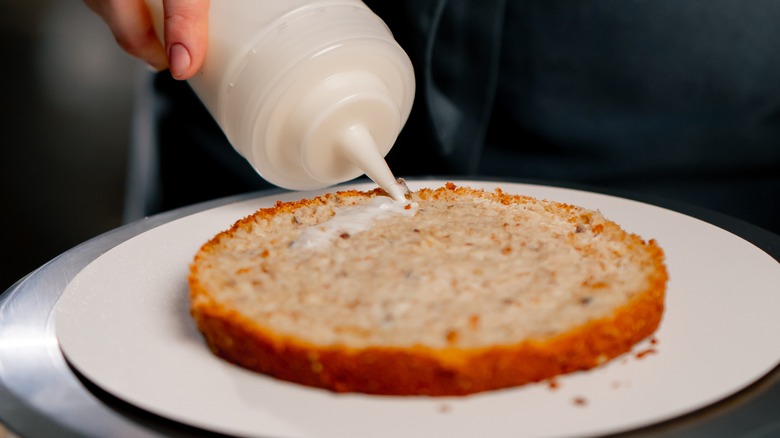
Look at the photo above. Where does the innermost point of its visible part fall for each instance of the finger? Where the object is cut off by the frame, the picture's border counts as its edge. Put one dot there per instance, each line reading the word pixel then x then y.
pixel 131 24
pixel 186 30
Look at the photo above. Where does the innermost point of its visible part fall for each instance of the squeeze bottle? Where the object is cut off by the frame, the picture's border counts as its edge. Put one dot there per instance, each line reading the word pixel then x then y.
pixel 311 92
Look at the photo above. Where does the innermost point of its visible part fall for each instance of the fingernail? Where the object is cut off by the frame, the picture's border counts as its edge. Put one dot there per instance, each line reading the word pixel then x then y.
pixel 179 59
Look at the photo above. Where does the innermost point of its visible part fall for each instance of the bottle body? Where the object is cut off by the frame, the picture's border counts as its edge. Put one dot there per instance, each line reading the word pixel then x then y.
pixel 286 79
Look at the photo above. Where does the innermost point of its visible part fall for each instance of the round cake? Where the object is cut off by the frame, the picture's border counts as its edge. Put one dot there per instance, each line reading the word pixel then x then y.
pixel 453 292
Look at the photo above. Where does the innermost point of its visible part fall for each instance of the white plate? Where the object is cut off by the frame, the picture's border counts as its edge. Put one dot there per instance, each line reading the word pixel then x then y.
pixel 123 322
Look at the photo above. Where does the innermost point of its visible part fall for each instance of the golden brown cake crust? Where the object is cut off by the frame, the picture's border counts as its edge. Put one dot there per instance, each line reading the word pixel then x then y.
pixel 420 370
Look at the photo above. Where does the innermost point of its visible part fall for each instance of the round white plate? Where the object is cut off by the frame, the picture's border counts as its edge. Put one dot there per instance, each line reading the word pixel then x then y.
pixel 123 322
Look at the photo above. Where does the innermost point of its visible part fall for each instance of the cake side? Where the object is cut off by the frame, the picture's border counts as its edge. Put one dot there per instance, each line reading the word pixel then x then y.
pixel 424 371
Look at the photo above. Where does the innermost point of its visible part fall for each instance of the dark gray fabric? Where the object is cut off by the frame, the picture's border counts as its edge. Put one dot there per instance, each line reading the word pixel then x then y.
pixel 626 89
pixel 461 72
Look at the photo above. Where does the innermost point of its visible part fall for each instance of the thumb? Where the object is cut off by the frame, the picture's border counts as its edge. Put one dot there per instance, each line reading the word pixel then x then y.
pixel 186 31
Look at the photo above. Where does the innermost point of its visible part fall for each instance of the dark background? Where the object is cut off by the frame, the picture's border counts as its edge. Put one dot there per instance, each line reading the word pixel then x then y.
pixel 66 94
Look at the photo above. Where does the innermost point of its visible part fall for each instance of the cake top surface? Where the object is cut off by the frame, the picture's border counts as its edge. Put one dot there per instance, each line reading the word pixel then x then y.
pixel 453 268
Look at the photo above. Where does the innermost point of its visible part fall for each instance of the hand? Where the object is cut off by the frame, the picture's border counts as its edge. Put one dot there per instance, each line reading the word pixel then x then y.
pixel 186 27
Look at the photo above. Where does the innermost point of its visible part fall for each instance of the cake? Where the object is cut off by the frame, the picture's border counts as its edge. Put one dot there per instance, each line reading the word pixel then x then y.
pixel 456 291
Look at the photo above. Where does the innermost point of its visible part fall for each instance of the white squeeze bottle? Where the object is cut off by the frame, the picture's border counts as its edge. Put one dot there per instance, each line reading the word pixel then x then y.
pixel 311 92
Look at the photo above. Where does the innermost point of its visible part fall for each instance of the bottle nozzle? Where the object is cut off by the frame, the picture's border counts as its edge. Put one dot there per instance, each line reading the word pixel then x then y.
pixel 359 147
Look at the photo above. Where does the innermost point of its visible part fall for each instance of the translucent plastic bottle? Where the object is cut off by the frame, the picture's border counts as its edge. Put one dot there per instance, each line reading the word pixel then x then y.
pixel 311 92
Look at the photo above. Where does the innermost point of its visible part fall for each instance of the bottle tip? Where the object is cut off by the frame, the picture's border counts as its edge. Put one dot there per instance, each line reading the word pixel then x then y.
pixel 359 147
pixel 397 192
